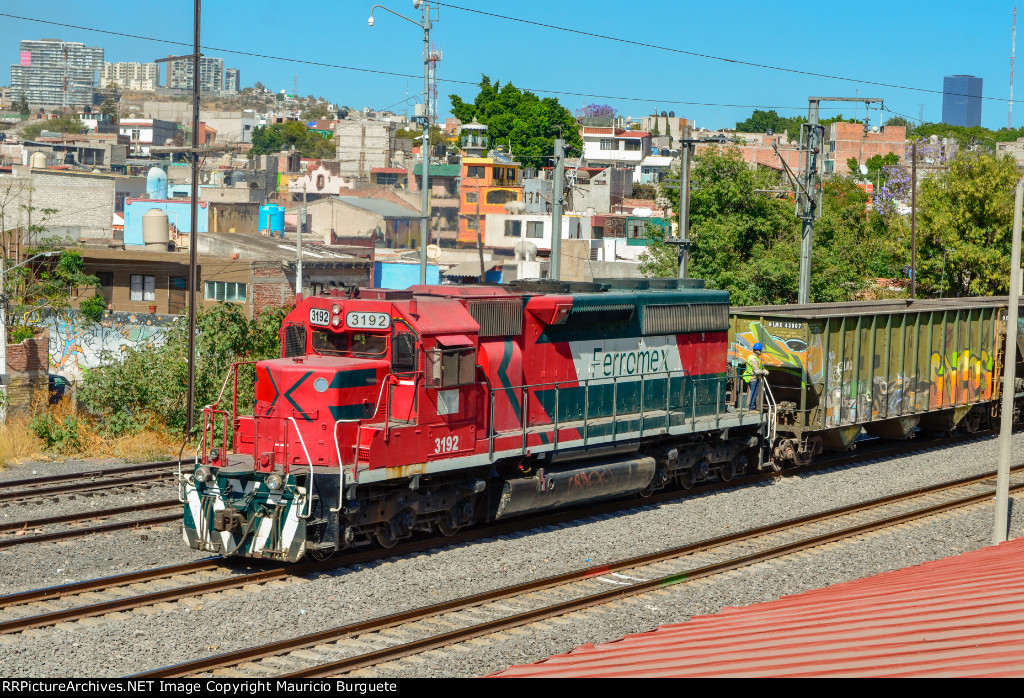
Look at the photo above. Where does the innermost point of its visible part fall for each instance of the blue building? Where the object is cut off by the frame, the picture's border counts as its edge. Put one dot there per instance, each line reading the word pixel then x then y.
pixel 179 215
pixel 961 100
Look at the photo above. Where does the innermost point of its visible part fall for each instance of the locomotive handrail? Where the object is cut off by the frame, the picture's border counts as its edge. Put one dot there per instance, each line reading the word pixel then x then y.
pixel 337 446
pixel 309 490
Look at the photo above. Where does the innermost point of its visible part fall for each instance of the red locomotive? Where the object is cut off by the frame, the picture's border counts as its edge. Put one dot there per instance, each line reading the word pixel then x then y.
pixel 433 408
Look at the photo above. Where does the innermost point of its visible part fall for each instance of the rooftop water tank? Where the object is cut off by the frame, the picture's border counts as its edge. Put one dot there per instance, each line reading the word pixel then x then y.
pixel 38 160
pixel 155 232
pixel 156 183
pixel 272 220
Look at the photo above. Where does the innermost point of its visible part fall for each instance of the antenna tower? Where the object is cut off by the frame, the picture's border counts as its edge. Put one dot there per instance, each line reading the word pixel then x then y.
pixel 433 59
pixel 1013 51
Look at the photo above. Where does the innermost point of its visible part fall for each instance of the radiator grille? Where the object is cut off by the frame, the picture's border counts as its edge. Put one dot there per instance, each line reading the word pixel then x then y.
pixel 498 317
pixel 695 317
pixel 294 340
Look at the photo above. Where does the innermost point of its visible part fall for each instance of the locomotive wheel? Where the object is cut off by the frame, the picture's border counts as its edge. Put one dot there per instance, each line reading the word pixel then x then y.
pixel 685 479
pixel 446 528
pixel 384 537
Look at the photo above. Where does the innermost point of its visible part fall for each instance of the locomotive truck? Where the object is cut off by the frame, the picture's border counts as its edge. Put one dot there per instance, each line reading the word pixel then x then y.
pixel 431 409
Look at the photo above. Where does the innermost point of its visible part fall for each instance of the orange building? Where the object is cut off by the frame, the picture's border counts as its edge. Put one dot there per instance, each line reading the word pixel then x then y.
pixel 488 183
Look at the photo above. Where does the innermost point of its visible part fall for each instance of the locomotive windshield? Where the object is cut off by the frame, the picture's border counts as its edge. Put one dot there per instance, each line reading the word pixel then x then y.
pixel 360 344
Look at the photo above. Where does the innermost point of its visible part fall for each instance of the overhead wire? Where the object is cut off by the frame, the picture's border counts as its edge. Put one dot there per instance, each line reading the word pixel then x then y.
pixel 336 66
pixel 707 56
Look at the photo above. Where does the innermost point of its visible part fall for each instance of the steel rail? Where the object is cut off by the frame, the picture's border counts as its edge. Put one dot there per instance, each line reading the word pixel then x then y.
pixel 461 635
pixel 10 542
pixel 89 486
pixel 405 617
pixel 369 555
pixel 86 515
pixel 100 472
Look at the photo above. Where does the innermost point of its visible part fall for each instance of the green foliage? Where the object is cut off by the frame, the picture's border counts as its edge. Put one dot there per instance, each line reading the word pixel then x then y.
pixel 20 333
pixel 62 124
pixel 747 242
pixel 152 380
pixel 965 218
pixel 876 165
pixel 21 105
pixel 969 137
pixel 109 108
pixel 314 111
pixel 660 259
pixel 761 121
pixel 61 435
pixel 900 121
pixel 520 119
pixel 645 191
pixel 277 137
pixel 93 308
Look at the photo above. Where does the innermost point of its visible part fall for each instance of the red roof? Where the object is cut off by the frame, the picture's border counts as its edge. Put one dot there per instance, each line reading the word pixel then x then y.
pixel 388 170
pixel 961 616
pixel 633 134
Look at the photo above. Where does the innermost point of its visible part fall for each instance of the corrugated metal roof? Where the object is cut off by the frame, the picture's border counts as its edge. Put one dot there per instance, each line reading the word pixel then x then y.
pixel 960 616
pixel 380 207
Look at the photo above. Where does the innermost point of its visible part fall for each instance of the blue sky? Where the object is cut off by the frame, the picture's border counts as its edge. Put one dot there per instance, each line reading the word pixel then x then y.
pixel 912 44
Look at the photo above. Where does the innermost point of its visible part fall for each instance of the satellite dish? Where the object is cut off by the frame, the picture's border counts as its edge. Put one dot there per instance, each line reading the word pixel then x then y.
pixel 863 169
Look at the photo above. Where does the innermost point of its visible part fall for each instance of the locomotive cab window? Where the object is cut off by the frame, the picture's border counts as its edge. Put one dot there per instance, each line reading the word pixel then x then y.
pixel 325 342
pixel 451 363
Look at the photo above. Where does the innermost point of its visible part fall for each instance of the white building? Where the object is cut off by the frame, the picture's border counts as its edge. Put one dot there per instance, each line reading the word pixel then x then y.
pixel 614 147
pixel 131 76
pixel 144 133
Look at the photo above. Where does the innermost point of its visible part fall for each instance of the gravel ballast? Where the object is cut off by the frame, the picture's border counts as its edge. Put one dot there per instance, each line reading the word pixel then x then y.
pixel 133 642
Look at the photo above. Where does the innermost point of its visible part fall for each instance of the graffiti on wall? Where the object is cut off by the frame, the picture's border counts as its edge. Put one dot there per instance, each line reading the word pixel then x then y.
pixel 77 344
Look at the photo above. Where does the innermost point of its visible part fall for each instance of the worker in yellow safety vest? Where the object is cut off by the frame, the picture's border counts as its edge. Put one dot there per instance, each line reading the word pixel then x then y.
pixel 754 372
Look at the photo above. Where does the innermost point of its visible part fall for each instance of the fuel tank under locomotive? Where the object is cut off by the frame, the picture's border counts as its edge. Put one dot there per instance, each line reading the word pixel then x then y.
pixel 574 484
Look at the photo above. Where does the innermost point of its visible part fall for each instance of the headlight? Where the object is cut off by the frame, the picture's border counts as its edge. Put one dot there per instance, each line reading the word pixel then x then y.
pixel 275 482
pixel 336 321
pixel 335 308
pixel 202 474
pixel 214 455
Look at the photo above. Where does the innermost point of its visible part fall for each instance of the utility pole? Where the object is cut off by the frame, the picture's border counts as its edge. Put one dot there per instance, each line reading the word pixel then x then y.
pixel 555 272
pixel 808 198
pixel 1009 377
pixel 479 236
pixel 298 249
pixel 193 243
pixel 425 148
pixel 913 220
pixel 684 206
pixel 685 155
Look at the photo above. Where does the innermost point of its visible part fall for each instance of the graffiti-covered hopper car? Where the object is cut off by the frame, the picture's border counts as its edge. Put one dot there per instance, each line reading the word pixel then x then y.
pixel 885 366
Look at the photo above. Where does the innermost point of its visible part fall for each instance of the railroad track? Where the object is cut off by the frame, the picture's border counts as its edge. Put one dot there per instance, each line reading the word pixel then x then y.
pixel 366 644
pixel 89 481
pixel 31 530
pixel 109 595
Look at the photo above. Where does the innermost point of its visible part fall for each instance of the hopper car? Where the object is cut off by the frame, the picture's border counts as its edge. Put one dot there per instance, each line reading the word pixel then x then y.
pixel 438 407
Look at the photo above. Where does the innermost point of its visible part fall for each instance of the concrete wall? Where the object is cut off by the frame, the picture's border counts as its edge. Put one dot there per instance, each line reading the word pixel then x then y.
pixel 234 217
pixel 363 145
pixel 82 200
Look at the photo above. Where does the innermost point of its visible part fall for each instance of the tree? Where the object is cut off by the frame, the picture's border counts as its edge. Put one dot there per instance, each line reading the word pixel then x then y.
pixel 900 121
pixel 520 119
pixel 277 137
pixel 109 108
pixel 660 259
pixel 314 111
pixel 21 105
pixel 596 111
pixel 964 226
pixel 66 123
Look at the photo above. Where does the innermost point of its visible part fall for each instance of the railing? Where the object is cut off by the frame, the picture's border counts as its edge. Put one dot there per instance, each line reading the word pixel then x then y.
pixel 639 408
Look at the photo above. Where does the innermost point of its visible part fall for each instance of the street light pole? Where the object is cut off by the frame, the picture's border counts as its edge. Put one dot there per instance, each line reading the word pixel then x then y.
pixel 424 7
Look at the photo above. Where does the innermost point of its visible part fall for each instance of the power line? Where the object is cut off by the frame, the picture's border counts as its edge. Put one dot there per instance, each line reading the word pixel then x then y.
pixel 389 73
pixel 723 59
